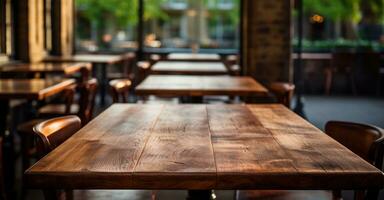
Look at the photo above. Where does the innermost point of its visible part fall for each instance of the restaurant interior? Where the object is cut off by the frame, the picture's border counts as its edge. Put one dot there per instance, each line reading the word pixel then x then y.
pixel 191 99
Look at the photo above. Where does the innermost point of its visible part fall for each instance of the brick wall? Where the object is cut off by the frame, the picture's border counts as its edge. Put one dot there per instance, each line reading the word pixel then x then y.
pixel 266 44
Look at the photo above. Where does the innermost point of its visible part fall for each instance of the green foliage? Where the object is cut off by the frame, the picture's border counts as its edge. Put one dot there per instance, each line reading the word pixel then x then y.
pixel 334 9
pixel 346 10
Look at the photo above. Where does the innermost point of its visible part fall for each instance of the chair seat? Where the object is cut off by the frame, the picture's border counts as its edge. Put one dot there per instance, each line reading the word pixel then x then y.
pixel 56 110
pixel 284 195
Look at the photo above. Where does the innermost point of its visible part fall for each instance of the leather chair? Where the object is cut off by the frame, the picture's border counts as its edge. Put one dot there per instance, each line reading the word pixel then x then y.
pixel 364 140
pixel 283 92
pixel 50 134
pixel 84 107
pixel 120 89
pixel 2 186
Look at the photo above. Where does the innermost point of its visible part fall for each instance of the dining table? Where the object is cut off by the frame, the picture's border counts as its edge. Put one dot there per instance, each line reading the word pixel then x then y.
pixel 189 68
pixel 199 148
pixel 41 69
pixel 194 57
pixel 198 86
pixel 100 64
pixel 25 89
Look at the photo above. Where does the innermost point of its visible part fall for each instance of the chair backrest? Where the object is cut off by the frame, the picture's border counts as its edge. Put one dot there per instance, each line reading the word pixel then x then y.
pixel 283 92
pixel 53 132
pixel 120 89
pixel 364 140
pixel 88 92
pixel 69 96
pixel 2 186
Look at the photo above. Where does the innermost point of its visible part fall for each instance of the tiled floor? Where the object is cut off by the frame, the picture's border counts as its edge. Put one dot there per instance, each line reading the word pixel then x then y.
pixel 319 109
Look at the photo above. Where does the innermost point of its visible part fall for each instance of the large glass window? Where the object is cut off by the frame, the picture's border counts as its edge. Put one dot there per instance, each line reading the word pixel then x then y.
pixel 202 24
pixel 5 27
pixel 106 25
pixel 330 24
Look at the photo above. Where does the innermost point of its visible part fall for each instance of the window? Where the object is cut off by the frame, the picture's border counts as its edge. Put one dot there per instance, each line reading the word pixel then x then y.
pixel 352 24
pixel 48 25
pixel 5 27
pixel 108 25
pixel 203 24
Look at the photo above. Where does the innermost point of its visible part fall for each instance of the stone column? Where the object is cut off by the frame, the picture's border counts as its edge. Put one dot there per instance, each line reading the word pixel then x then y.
pixel 266 40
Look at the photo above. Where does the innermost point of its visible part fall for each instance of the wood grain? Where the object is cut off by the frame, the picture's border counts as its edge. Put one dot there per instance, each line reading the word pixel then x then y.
pixel 32 88
pixel 178 85
pixel 202 147
pixel 189 68
pixel 193 57
pixel 32 68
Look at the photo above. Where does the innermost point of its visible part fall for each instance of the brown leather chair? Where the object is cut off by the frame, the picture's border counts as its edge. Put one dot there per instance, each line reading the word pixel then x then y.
pixel 50 134
pixel 120 89
pixel 364 140
pixel 2 186
pixel 283 92
pixel 84 107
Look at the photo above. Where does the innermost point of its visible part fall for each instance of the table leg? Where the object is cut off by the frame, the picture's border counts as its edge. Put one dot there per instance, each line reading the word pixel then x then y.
pixel 8 149
pixel 201 195
pixel 103 84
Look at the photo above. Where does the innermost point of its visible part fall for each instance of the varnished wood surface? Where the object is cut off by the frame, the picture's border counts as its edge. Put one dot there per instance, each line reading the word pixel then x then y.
pixel 92 58
pixel 32 88
pixel 56 67
pixel 199 86
pixel 193 57
pixel 189 68
pixel 201 147
pixel 313 56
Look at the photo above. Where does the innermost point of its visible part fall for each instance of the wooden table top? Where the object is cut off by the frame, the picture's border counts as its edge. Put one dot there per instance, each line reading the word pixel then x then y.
pixel 180 85
pixel 313 56
pixel 189 68
pixel 55 67
pixel 92 58
pixel 193 57
pixel 36 89
pixel 201 147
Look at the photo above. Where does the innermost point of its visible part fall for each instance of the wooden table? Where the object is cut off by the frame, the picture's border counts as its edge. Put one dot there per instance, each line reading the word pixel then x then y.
pixel 178 85
pixel 313 56
pixel 99 60
pixel 30 89
pixel 67 68
pixel 189 68
pixel 201 147
pixel 194 57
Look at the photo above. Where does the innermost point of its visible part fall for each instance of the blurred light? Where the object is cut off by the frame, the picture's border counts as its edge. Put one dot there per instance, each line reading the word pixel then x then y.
pixel 191 13
pixel 317 19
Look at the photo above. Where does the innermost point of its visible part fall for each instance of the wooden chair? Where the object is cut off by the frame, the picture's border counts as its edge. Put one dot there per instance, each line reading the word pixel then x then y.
pixel 50 134
pixel 84 107
pixel 364 140
pixel 120 89
pixel 283 92
pixel 2 186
